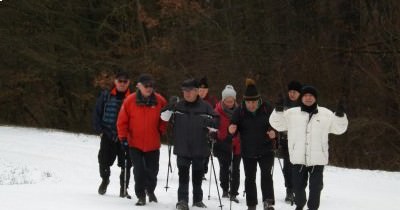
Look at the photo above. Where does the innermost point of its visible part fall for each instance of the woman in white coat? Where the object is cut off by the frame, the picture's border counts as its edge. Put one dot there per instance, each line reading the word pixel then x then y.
pixel 308 127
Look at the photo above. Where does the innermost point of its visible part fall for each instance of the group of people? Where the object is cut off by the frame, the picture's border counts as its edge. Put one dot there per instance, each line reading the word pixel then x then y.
pixel 131 124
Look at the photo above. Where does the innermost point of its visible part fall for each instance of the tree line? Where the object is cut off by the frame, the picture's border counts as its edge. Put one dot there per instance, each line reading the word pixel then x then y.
pixel 57 55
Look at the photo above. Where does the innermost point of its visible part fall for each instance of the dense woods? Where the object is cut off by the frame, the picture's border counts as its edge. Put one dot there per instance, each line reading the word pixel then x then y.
pixel 57 55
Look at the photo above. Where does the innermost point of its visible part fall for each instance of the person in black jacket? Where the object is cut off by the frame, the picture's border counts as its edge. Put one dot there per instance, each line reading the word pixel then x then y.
pixel 251 121
pixel 191 119
pixel 292 100
pixel 105 117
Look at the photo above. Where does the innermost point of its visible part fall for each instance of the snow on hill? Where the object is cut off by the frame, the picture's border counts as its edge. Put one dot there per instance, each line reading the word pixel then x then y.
pixel 53 170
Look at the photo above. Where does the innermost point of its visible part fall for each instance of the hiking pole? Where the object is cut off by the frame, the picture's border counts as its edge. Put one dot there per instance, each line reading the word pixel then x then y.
pixel 125 176
pixel 215 175
pixel 169 165
pixel 231 180
pixel 209 184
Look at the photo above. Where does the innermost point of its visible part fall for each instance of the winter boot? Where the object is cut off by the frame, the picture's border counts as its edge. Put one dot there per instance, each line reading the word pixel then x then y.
pixel 152 197
pixel 182 205
pixel 251 207
pixel 225 194
pixel 141 201
pixel 289 196
pixel 103 186
pixel 200 204
pixel 268 205
pixel 234 199
pixel 123 193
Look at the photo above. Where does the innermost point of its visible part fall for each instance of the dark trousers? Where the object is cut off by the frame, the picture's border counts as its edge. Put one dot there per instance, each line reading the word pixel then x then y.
pixel 301 174
pixel 109 151
pixel 265 163
pixel 206 161
pixel 183 164
pixel 287 173
pixel 145 170
pixel 287 165
pixel 225 177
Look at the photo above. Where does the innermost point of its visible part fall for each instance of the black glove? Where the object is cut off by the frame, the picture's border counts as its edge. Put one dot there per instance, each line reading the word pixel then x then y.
pixel 340 110
pixel 124 145
pixel 213 135
pixel 279 104
pixel 172 101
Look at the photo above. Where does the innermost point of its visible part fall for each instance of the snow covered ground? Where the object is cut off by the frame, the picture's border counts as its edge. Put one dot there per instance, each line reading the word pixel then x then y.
pixel 49 170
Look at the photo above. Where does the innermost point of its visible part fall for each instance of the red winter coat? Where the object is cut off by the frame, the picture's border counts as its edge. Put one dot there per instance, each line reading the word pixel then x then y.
pixel 224 122
pixel 141 124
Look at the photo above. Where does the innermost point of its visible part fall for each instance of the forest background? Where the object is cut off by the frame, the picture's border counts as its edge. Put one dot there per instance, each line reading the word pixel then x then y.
pixel 57 55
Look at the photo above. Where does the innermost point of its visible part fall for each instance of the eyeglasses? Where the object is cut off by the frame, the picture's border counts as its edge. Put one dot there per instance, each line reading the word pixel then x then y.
pixel 122 81
pixel 148 85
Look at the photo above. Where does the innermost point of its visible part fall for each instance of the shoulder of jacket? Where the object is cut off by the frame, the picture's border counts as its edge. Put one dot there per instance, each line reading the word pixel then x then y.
pixel 324 110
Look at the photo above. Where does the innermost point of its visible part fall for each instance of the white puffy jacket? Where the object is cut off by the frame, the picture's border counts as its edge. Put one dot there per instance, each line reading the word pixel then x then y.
pixel 308 138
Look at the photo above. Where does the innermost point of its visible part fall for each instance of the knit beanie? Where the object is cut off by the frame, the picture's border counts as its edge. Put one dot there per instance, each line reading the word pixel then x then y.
pixel 228 91
pixel 309 89
pixel 251 93
pixel 295 85
pixel 203 83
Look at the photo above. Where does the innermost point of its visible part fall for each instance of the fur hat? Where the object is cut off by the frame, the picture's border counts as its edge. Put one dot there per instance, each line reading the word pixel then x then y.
pixel 228 91
pixel 251 93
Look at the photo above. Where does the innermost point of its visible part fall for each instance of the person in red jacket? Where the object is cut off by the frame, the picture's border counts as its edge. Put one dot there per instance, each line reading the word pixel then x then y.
pixel 139 129
pixel 227 148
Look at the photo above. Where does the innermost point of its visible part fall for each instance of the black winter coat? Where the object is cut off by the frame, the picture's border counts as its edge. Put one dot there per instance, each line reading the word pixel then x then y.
pixel 190 122
pixel 253 129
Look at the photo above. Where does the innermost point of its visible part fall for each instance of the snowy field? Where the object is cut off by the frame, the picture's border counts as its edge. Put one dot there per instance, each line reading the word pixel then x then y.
pixel 53 170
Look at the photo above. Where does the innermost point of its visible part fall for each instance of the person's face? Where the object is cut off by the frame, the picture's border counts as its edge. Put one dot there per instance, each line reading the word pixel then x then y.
pixel 190 95
pixel 229 102
pixel 308 99
pixel 145 89
pixel 293 95
pixel 121 84
pixel 251 105
pixel 203 92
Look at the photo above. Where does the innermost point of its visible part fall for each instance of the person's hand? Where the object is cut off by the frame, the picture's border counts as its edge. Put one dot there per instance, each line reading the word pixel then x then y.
pixel 166 115
pixel 340 110
pixel 124 145
pixel 271 134
pixel 172 101
pixel 279 107
pixel 232 129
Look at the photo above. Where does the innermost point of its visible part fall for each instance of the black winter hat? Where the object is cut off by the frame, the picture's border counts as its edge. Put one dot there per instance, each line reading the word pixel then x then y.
pixel 295 85
pixel 189 84
pixel 122 74
pixel 309 89
pixel 203 82
pixel 251 93
pixel 145 79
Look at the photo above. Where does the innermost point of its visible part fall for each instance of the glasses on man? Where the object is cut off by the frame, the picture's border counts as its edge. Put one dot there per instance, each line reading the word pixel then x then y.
pixel 122 81
pixel 148 85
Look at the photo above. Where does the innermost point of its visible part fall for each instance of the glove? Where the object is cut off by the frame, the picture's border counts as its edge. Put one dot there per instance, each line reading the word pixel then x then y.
pixel 124 145
pixel 340 109
pixel 213 135
pixel 279 104
pixel 172 101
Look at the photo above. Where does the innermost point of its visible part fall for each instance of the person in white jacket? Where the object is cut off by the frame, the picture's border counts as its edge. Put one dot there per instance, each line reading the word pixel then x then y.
pixel 308 127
